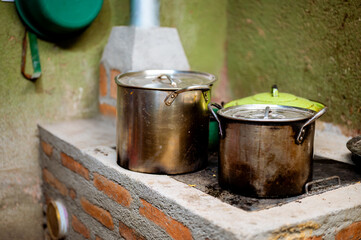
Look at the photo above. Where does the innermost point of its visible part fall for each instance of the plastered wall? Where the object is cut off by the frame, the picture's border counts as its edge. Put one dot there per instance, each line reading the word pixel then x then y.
pixel 68 89
pixel 309 48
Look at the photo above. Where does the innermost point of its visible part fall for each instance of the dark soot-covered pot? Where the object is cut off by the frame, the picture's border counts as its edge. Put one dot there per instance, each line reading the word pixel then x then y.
pixel 266 150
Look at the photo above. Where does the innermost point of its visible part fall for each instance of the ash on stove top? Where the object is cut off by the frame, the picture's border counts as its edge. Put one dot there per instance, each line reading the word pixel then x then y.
pixel 207 182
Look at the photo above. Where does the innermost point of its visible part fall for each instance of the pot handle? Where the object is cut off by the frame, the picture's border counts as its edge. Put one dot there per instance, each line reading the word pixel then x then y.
pixel 215 116
pixel 34 57
pixel 171 97
pixel 301 134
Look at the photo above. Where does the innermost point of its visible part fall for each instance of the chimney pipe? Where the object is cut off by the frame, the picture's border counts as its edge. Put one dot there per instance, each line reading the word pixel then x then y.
pixel 144 13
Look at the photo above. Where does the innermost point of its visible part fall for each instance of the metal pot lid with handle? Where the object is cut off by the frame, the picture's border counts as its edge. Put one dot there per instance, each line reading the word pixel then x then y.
pixel 266 113
pixel 278 98
pixel 165 79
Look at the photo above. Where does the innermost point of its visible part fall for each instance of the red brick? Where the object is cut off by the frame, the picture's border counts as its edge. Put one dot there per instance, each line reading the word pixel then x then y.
pixel 100 214
pixel 47 199
pixel 47 148
pixel 54 182
pixel 79 227
pixel 174 228
pixel 113 85
pixel 72 193
pixel 102 81
pixel 113 190
pixel 75 166
pixel 129 233
pixel 107 110
pixel 352 232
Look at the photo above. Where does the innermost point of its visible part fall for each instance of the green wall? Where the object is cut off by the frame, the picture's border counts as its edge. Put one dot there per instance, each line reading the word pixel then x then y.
pixel 309 48
pixel 201 25
pixel 68 89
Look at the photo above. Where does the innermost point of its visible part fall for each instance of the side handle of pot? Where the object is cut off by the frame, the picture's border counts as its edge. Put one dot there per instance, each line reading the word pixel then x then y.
pixel 302 132
pixel 216 117
pixel 171 97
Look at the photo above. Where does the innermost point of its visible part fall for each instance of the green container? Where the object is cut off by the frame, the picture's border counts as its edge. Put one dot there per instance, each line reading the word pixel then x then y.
pixel 277 98
pixel 52 19
pixel 213 140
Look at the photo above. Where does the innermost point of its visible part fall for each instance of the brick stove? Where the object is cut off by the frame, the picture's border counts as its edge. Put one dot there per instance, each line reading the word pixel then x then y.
pixel 105 201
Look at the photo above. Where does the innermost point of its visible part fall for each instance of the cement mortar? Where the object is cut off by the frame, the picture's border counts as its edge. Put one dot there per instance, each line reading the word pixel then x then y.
pixel 101 159
pixel 206 216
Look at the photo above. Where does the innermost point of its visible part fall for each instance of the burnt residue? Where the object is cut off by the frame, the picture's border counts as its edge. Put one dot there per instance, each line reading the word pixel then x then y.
pixel 122 162
pixel 284 181
pixel 206 181
pixel 97 150
pixel 356 158
pixel 237 184
pixel 309 130
pixel 263 160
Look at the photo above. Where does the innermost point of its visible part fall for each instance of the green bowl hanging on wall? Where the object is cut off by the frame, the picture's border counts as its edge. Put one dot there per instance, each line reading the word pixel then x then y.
pixel 54 19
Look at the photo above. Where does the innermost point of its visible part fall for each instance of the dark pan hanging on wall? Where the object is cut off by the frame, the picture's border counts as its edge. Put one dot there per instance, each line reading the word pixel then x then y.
pixel 52 21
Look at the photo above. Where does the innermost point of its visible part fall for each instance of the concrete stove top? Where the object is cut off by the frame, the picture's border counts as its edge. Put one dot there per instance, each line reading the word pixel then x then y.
pixel 90 143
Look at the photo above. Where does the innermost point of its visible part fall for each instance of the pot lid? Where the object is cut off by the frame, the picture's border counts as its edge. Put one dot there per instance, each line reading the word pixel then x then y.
pixel 266 113
pixel 277 98
pixel 164 79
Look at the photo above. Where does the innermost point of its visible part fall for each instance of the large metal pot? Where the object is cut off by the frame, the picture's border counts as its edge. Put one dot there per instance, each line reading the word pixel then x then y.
pixel 266 150
pixel 163 120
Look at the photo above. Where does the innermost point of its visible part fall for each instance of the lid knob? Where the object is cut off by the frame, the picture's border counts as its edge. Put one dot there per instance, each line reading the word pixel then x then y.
pixel 166 76
pixel 274 91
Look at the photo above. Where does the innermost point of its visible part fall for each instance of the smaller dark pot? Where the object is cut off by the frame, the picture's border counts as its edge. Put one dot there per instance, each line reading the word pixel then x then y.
pixel 266 151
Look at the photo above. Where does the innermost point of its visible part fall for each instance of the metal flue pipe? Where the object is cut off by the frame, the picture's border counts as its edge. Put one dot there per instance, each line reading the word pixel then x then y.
pixel 144 13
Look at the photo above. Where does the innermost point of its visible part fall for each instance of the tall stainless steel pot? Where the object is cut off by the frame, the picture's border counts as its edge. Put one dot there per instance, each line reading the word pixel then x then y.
pixel 163 120
pixel 266 150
